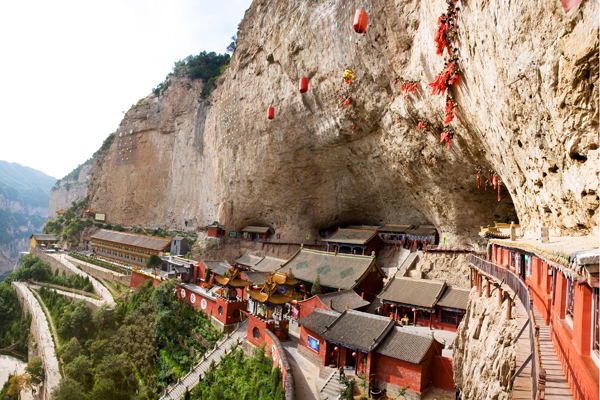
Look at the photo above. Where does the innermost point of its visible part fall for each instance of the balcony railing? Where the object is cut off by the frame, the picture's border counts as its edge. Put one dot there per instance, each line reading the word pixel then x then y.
pixel 503 274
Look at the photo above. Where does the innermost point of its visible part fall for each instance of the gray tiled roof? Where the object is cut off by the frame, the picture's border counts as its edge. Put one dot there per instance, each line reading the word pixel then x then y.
pixel 248 260
pixel 257 229
pixel 357 330
pixel 341 271
pixel 422 230
pixel 342 299
pixel 405 345
pixel 257 278
pixel 351 236
pixel 455 297
pixel 148 242
pixel 269 264
pixel 318 320
pixel 41 236
pixel 394 228
pixel 217 267
pixel 417 292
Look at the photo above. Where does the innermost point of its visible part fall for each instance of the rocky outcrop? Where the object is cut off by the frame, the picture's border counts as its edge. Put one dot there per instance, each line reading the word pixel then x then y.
pixel 452 268
pixel 484 355
pixel 527 109
pixel 72 187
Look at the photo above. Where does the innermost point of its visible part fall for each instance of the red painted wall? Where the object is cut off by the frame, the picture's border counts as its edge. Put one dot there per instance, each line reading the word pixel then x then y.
pixel 442 373
pixel 371 286
pixel 261 325
pixel 229 314
pixel 396 372
pixel 138 279
pixel 322 343
pixel 272 350
pixel 309 305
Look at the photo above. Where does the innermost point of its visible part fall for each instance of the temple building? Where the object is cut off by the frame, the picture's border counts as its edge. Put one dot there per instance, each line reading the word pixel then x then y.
pixel 353 241
pixel 562 274
pixel 205 268
pixel 257 233
pixel 267 306
pixel 336 271
pixel 334 301
pixel 61 212
pixel 424 302
pixel 266 264
pixel 89 213
pixel 376 346
pixel 247 261
pixel 127 248
pixel 177 267
pixel 215 230
pixel 179 246
pixel 42 241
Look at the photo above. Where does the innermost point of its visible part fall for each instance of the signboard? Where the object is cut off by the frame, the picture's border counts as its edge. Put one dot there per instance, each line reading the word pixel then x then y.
pixel 313 343
pixel 100 217
pixel 445 240
pixel 232 234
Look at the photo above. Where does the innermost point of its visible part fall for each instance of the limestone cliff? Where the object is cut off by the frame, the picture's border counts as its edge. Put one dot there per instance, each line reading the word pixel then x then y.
pixel 72 187
pixel 484 356
pixel 527 109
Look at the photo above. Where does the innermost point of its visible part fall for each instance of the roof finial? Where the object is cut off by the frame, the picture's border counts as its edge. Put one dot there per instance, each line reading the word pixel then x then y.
pixel 346 307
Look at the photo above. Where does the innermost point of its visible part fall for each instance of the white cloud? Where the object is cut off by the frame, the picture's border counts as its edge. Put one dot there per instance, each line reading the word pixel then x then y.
pixel 70 68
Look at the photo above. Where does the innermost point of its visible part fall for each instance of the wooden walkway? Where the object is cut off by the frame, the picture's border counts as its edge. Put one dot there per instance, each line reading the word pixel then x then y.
pixel 557 386
pixel 522 385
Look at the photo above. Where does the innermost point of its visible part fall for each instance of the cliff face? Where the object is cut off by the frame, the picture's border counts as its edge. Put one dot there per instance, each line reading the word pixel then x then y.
pixel 24 195
pixel 527 109
pixel 72 187
pixel 484 356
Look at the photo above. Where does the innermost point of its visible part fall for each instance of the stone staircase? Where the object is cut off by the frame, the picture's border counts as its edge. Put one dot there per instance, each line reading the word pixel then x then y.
pixel 409 262
pixel 331 389
pixel 178 389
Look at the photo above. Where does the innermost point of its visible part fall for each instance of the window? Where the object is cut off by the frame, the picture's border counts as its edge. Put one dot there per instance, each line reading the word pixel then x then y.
pixel 255 333
pixel 596 321
pixel 570 298
pixel 220 310
pixel 528 259
pixel 448 317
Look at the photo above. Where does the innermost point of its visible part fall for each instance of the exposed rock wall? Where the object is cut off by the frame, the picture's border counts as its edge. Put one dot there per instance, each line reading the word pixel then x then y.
pixel 484 357
pixel 452 268
pixel 69 190
pixel 527 109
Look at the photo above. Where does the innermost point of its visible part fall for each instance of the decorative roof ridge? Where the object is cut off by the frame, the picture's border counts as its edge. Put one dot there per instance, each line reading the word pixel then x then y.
pixel 334 293
pixel 333 254
pixel 368 315
pixel 408 330
pixel 381 338
pixel 334 321
pixel 128 233
pixel 328 312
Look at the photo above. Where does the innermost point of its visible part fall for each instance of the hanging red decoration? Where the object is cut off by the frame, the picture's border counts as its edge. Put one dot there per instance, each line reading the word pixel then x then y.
pixel 422 126
pixel 447 136
pixel 408 87
pixel 271 113
pixel 353 354
pixel 335 348
pixel 498 191
pixel 490 178
pixel 478 178
pixel 449 76
pixel 303 84
pixel 361 20
pixel 495 181
pixel 450 109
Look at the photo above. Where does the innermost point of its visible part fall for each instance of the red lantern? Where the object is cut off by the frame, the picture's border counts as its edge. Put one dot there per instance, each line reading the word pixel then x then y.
pixel 303 84
pixel 335 348
pixel 361 19
pixel 353 354
pixel 271 113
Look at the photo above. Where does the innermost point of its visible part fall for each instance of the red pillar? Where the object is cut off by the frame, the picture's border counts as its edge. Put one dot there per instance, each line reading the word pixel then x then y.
pixel 561 295
pixel 582 319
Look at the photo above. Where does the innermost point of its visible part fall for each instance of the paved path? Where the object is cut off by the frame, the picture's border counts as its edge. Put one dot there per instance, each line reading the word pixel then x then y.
pixel 98 287
pixel 72 295
pixel 10 365
pixel 306 374
pixel 96 267
pixel 44 337
pixel 190 380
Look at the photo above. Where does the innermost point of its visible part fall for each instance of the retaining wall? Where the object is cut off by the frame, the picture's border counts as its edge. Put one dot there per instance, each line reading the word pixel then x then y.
pixel 274 348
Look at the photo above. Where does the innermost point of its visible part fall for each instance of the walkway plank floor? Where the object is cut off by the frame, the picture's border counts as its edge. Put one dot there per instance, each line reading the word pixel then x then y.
pixel 522 384
pixel 557 386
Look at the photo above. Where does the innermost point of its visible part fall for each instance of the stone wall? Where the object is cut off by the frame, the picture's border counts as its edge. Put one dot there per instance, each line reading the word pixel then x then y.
pixel 275 350
pixel 484 356
pixel 98 272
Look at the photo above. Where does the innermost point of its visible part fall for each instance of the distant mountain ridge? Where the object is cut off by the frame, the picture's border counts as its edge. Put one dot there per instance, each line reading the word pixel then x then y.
pixel 24 198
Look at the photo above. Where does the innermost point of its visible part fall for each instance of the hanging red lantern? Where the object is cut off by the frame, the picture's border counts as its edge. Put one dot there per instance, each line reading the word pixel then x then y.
pixel 361 19
pixel 335 348
pixel 271 113
pixel 353 354
pixel 303 84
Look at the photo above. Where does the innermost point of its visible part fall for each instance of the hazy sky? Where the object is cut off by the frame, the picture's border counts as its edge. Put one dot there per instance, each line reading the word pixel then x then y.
pixel 70 68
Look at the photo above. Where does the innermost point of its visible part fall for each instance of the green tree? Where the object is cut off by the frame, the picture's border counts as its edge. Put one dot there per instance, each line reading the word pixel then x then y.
pixel 70 351
pixel 35 370
pixel 153 262
pixel 80 369
pixel 68 389
pixel 316 287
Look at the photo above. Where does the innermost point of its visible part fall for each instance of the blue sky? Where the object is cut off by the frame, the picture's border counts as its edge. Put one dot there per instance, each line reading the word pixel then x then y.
pixel 70 68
